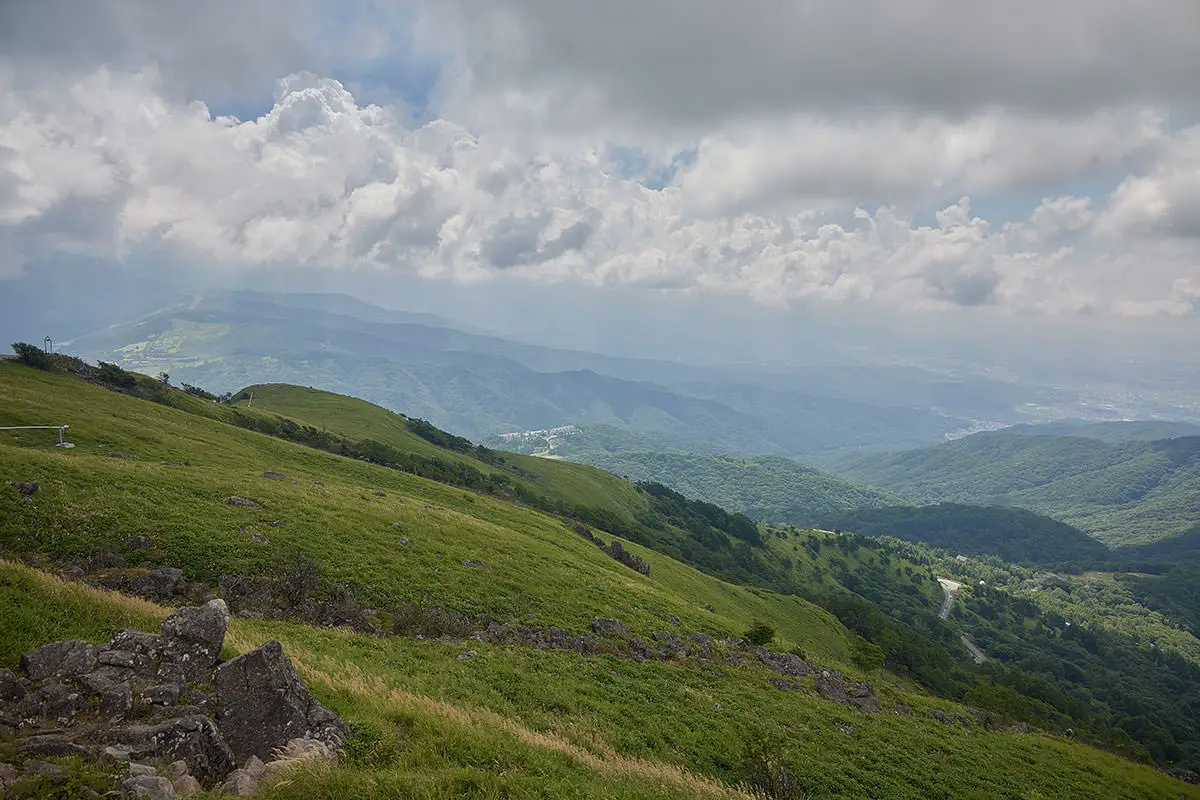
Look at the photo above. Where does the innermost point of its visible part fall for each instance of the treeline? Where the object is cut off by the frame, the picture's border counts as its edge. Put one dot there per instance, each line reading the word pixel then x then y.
pixel 1143 701
pixel 1014 534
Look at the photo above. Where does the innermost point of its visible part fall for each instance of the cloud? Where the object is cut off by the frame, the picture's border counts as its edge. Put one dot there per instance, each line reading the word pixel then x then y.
pixel 1165 201
pixel 908 158
pixel 708 61
pixel 112 164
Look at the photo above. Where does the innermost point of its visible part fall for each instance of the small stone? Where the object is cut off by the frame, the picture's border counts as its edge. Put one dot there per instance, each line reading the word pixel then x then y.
pixel 52 746
pixel 242 502
pixel 149 787
pixel 254 767
pixel 25 488
pixel 165 694
pixel 136 769
pixel 259 538
pixel 137 642
pixel 402 541
pixel 137 543
pixel 473 564
pixel 11 688
pixel 468 655
pixel 187 786
pixel 276 523
pixel 275 476
pixel 674 620
pixel 115 754
pixel 239 784
pixel 126 456
pixel 605 626
pixel 192 639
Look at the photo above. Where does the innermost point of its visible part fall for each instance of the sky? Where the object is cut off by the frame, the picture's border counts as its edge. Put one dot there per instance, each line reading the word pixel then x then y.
pixel 978 160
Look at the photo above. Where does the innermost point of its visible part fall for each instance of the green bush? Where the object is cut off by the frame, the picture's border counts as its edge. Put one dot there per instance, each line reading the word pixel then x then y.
pixel 760 633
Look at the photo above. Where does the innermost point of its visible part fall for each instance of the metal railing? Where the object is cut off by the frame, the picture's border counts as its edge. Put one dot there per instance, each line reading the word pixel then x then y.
pixel 59 428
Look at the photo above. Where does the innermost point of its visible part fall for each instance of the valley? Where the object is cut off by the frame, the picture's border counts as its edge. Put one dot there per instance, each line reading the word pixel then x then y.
pixel 447 568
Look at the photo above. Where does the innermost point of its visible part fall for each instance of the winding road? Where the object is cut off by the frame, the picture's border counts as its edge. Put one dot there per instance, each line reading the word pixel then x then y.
pixel 950 588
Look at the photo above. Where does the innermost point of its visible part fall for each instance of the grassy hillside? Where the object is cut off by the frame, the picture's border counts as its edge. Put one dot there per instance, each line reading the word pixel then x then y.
pixel 765 488
pixel 479 554
pixel 574 483
pixel 1123 494
pixel 511 723
pixel 341 512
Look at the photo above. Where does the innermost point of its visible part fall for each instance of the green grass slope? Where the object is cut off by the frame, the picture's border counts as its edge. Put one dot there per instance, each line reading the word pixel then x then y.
pixel 511 723
pixel 1123 494
pixel 342 513
pixel 764 488
pixel 573 483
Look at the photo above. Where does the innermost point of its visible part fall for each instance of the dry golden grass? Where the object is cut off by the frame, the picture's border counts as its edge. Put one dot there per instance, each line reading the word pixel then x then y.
pixel 71 592
pixel 346 677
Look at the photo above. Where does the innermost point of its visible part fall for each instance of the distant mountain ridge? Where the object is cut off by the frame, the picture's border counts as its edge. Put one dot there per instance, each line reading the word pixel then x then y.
pixel 482 385
pixel 1126 493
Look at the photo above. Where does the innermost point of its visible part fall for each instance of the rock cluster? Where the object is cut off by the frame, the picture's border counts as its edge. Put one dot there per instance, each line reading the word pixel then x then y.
pixel 165 698
pixel 615 550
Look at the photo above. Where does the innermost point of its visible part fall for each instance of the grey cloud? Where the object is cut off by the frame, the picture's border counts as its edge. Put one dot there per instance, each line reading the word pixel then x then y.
pixel 708 59
pixel 573 237
pixel 963 287
pixel 512 241
pixel 229 48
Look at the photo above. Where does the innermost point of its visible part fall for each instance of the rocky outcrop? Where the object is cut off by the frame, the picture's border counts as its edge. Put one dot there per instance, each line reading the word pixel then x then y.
pixel 615 550
pixel 603 626
pixel 145 698
pixel 265 704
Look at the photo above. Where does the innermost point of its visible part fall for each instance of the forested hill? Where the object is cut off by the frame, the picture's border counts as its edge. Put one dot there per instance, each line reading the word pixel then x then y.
pixel 1123 494
pixel 1013 534
pixel 764 488
pixel 1111 432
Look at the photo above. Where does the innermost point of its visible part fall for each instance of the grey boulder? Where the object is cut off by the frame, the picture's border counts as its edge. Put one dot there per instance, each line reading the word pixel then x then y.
pixel 265 704
pixel 193 739
pixel 63 659
pixel 192 639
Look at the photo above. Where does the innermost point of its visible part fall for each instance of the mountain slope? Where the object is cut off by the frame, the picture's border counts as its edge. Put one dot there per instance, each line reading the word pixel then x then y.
pixel 466 554
pixel 765 488
pixel 482 385
pixel 1127 493
pixel 1013 534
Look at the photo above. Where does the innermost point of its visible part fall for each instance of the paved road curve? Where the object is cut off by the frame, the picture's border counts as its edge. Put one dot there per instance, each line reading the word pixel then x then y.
pixel 950 588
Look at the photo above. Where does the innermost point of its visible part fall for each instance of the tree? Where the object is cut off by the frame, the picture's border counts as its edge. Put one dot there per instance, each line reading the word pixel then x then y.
pixel 164 378
pixel 32 355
